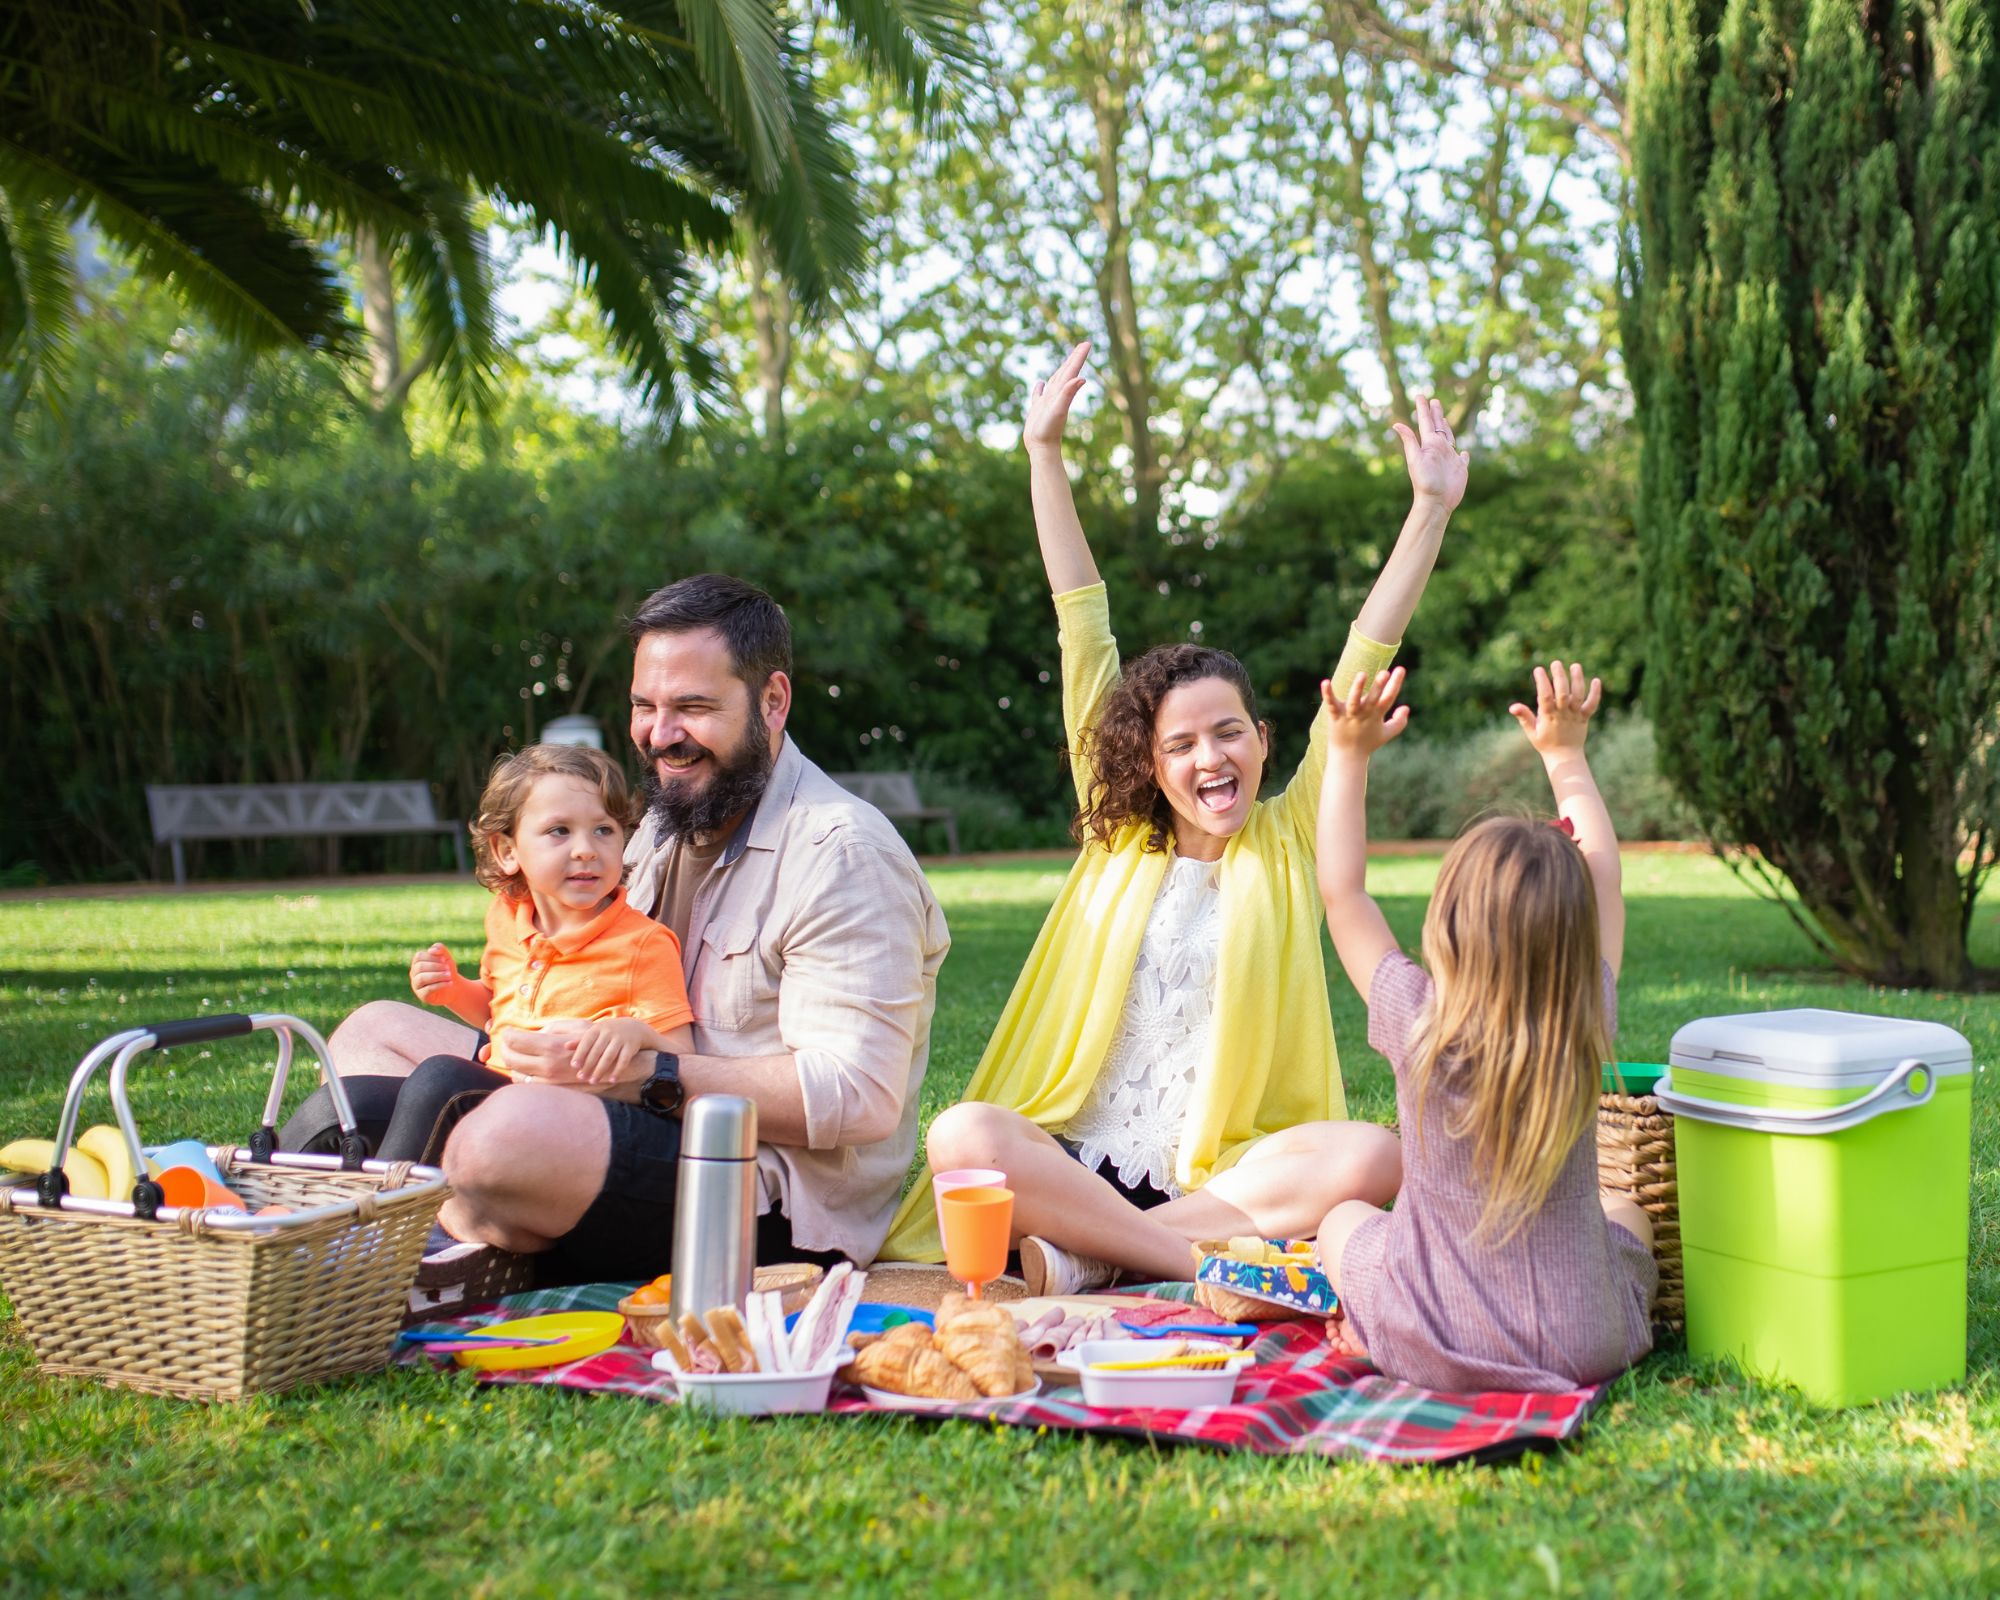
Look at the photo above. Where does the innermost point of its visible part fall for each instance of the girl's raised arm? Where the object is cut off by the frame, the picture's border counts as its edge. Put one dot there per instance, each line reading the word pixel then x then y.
pixel 1557 728
pixel 1065 552
pixel 1361 722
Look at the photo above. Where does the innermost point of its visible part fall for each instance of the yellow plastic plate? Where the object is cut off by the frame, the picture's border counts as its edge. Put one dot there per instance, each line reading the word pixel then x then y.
pixel 583 1334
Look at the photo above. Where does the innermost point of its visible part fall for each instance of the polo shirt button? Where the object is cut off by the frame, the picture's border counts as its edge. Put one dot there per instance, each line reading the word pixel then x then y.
pixel 535 966
pixel 524 988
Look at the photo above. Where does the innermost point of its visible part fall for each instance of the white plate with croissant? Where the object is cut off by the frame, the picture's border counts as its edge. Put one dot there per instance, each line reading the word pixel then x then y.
pixel 973 1355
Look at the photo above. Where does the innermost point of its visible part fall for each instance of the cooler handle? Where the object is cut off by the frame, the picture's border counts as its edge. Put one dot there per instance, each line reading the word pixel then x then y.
pixel 1893 1093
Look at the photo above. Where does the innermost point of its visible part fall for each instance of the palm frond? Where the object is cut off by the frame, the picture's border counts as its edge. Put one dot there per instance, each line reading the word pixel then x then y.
pixel 227 251
pixel 447 276
pixel 923 49
pixel 812 219
pixel 37 298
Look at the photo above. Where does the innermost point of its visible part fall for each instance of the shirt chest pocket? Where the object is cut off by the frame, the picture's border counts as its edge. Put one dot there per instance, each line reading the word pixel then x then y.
pixel 727 976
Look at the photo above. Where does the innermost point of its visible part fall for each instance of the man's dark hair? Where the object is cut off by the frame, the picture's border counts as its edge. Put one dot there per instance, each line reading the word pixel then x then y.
pixel 751 623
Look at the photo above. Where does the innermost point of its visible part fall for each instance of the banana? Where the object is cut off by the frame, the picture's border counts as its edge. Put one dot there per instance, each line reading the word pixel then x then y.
pixel 87 1178
pixel 108 1145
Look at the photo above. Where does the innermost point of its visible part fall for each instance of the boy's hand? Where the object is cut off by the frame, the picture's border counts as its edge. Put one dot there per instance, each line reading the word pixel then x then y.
pixel 1364 721
pixel 607 1051
pixel 431 970
pixel 1438 468
pixel 1563 709
pixel 1049 403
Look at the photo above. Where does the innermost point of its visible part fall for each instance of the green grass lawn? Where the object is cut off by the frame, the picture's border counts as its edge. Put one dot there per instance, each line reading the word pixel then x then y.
pixel 1689 1477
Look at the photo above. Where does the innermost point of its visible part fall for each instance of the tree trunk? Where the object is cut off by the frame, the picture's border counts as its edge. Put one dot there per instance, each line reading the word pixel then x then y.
pixel 378 314
pixel 771 312
pixel 1131 380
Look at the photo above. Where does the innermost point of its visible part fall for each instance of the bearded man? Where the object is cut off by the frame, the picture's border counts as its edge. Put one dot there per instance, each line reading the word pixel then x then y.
pixel 810 943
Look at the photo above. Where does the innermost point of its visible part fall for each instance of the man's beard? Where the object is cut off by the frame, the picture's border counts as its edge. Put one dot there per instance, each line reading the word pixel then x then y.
pixel 733 786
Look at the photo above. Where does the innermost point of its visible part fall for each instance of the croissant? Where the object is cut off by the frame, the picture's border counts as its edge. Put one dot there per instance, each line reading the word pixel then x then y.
pixel 984 1340
pixel 905 1367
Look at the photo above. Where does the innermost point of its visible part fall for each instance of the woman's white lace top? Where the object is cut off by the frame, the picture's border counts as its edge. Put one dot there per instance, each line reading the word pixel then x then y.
pixel 1132 1117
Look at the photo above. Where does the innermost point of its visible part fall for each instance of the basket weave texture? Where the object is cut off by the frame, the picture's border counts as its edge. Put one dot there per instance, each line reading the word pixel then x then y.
pixel 1635 1158
pixel 185 1309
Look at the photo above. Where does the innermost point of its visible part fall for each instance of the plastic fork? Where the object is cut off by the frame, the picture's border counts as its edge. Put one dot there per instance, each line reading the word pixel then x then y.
pixel 1174 1330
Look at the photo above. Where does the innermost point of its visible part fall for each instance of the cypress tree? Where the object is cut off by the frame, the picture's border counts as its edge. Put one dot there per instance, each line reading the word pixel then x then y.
pixel 1812 271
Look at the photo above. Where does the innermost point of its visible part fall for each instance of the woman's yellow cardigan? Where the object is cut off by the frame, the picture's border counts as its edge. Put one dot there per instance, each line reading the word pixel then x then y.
pixel 1272 1062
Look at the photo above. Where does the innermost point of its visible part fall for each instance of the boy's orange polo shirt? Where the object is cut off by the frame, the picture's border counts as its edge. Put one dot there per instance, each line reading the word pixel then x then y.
pixel 621 963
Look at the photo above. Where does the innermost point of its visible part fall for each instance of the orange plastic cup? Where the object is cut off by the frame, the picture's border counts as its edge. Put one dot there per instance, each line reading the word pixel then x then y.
pixel 978 1226
pixel 190 1187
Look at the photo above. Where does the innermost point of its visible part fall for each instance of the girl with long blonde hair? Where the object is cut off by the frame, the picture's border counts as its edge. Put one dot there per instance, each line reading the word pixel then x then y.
pixel 1502 1266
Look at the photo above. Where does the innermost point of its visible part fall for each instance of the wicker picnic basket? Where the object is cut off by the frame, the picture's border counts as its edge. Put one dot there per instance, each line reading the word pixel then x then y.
pixel 218 1304
pixel 1635 1158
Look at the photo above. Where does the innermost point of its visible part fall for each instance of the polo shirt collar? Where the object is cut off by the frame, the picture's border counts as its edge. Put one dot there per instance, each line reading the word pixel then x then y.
pixel 577 938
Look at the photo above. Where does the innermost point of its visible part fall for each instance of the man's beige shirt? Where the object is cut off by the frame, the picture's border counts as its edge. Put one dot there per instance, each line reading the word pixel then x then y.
pixel 816 935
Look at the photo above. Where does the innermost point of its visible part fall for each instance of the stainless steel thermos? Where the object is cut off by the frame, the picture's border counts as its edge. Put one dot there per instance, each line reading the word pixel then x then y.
pixel 715 1204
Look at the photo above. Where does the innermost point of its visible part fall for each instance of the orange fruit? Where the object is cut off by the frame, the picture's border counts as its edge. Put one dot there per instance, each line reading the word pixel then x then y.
pixel 651 1295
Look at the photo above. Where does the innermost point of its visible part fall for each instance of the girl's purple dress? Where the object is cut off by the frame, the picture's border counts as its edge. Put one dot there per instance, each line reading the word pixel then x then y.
pixel 1563 1303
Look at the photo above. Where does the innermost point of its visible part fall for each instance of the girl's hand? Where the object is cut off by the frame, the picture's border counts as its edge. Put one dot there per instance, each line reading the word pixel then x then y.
pixel 1363 722
pixel 431 970
pixel 1563 709
pixel 1437 466
pixel 1049 403
pixel 608 1051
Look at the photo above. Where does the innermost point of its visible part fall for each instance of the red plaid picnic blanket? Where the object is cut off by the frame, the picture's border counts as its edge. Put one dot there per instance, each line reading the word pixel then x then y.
pixel 1299 1399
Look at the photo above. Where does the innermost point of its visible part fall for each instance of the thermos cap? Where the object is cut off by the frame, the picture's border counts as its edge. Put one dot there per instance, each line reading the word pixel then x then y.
pixel 719 1127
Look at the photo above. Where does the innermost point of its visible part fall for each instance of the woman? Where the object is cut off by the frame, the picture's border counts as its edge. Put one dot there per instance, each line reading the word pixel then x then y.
pixel 1164 1071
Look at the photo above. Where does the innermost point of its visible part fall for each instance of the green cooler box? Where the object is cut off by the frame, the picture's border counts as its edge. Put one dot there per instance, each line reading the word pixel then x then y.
pixel 1825 1167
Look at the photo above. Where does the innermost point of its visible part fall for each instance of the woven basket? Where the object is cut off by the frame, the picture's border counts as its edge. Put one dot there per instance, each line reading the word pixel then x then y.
pixel 1635 1159
pixel 185 1308
pixel 203 1303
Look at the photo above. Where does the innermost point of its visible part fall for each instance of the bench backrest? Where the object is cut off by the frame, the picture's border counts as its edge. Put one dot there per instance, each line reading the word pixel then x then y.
pixel 274 810
pixel 892 793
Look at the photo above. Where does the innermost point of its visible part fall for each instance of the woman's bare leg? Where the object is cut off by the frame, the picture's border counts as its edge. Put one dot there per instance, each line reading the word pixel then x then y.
pixel 1055 1196
pixel 1287 1181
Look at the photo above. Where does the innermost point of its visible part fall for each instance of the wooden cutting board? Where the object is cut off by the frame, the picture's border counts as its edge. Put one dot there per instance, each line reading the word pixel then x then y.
pixel 1076 1305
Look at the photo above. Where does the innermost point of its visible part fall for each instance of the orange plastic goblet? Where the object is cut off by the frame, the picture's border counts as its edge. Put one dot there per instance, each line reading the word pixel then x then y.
pixel 978 1225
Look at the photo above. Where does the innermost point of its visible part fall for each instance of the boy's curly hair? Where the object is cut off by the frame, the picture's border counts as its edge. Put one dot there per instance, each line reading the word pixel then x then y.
pixel 1119 749
pixel 513 780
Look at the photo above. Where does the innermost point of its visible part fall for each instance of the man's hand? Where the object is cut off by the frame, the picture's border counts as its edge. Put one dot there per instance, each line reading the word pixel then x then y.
pixel 1363 721
pixel 1049 403
pixel 1438 468
pixel 1563 709
pixel 430 971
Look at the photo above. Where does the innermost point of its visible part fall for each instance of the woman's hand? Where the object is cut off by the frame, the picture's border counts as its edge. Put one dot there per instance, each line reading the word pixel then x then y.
pixel 1049 403
pixel 430 971
pixel 1437 466
pixel 1563 709
pixel 1364 720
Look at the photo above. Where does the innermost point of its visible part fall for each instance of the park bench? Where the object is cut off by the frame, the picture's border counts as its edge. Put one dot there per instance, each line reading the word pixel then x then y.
pixel 894 794
pixel 292 810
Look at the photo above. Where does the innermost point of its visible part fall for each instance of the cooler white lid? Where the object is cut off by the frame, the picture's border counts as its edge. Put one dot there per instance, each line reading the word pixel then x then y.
pixel 1810 1047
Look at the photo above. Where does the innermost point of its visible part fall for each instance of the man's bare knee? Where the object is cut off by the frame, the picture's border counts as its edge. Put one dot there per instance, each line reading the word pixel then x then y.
pixel 496 1144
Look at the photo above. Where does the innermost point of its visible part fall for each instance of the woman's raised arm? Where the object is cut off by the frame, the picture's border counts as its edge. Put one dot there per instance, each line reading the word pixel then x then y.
pixel 1065 552
pixel 1438 471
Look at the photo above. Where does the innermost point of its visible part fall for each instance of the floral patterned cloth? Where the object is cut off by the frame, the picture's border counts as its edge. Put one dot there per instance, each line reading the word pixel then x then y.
pixel 1132 1118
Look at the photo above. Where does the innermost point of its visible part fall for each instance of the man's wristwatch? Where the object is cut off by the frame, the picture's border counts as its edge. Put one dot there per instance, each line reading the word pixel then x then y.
pixel 662 1092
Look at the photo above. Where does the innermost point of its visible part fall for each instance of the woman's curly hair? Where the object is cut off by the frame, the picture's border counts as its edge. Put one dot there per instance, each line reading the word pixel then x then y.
pixel 1119 749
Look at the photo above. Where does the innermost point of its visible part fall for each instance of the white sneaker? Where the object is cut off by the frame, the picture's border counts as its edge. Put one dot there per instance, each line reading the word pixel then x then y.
pixel 1049 1269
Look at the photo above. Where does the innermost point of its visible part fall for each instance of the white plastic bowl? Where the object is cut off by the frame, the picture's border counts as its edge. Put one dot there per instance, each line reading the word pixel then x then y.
pixel 752 1394
pixel 1179 1388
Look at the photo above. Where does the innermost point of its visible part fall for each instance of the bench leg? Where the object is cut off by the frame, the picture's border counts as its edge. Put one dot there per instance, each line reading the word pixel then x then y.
pixel 458 850
pixel 951 834
pixel 180 863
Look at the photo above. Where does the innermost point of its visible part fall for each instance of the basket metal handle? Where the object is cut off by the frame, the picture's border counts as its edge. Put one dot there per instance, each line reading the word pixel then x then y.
pixel 121 1048
pixel 1894 1093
